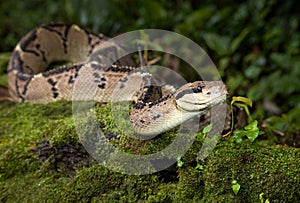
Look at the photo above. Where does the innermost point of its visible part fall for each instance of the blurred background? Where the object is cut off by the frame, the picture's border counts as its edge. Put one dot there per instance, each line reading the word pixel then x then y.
pixel 255 44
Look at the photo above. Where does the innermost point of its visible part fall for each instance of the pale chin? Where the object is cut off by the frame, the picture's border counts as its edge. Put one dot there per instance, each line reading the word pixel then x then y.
pixel 218 100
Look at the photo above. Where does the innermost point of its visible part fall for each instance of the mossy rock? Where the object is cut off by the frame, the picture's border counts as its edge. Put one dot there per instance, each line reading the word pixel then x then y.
pixel 269 170
pixel 40 151
pixel 42 160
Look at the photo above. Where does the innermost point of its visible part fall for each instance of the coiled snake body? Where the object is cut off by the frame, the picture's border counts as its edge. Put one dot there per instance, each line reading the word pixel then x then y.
pixel 29 81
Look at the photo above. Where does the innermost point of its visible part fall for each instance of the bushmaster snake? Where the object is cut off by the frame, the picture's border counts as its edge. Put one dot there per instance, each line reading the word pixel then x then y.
pixel 154 111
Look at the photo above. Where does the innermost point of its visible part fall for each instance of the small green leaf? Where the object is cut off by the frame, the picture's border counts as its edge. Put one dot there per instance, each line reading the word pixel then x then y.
pixel 251 126
pixel 251 131
pixel 179 162
pixel 199 167
pixel 235 187
pixel 261 198
pixel 241 99
pixel 237 136
pixel 207 129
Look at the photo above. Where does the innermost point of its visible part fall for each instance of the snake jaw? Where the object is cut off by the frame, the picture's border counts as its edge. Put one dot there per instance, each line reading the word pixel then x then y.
pixel 200 95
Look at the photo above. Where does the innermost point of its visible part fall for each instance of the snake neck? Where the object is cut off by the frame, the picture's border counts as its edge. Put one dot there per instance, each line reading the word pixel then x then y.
pixel 147 120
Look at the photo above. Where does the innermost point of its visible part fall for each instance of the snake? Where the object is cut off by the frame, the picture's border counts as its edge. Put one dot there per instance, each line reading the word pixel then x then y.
pixel 155 109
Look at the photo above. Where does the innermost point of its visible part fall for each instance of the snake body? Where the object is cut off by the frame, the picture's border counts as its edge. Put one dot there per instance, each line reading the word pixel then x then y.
pixel 153 112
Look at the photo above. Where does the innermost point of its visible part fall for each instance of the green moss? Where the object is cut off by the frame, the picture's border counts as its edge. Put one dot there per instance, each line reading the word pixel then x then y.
pixel 4 58
pixel 272 170
pixel 60 169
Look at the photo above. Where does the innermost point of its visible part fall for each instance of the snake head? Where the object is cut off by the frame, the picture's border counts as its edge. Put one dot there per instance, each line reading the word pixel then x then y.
pixel 200 95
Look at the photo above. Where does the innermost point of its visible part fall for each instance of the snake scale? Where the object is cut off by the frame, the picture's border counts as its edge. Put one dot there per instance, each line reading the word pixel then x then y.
pixel 30 81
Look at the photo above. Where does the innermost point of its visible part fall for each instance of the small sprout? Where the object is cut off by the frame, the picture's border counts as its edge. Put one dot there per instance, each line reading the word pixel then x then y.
pixel 235 187
pixel 179 162
pixel 241 99
pixel 207 129
pixel 241 102
pixel 261 198
pixel 200 167
pixel 251 131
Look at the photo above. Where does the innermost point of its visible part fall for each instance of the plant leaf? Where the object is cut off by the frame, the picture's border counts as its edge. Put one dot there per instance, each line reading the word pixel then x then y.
pixel 241 99
pixel 217 43
pixel 207 129
pixel 235 187
pixel 237 41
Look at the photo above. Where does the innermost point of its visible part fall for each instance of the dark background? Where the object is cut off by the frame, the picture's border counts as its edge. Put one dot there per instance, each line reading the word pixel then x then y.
pixel 254 43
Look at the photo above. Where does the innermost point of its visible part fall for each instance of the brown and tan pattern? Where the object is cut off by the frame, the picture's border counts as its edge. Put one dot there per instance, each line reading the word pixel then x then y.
pixel 153 112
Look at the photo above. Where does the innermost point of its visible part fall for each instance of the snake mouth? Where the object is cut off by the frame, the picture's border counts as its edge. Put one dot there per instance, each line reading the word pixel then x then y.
pixel 218 99
pixel 200 95
pixel 202 103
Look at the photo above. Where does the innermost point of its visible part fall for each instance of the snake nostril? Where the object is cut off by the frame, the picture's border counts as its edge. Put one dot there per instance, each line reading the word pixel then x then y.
pixel 208 93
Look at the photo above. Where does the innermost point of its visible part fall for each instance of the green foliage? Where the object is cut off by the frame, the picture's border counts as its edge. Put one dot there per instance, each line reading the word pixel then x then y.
pixel 255 44
pixel 242 102
pixel 201 135
pixel 262 200
pixel 206 129
pixel 199 167
pixel 179 162
pixel 235 186
pixel 251 131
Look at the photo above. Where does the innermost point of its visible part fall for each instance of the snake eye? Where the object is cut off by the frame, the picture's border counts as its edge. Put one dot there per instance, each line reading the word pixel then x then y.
pixel 197 89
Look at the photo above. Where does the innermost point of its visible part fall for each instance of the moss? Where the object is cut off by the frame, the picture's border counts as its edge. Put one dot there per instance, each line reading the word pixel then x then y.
pixel 42 159
pixel 4 58
pixel 272 170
